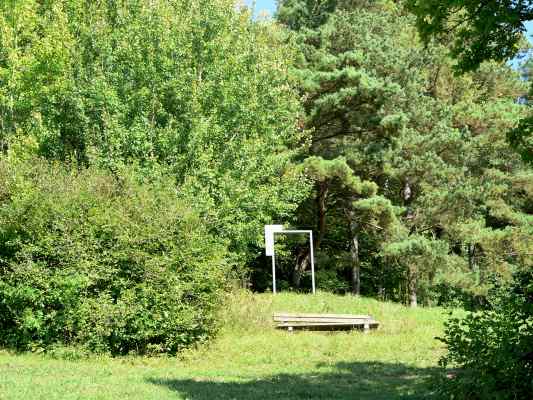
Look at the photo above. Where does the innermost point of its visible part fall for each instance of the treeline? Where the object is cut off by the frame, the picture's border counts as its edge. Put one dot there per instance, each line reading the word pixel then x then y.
pixel 417 195
pixel 195 91
pixel 144 144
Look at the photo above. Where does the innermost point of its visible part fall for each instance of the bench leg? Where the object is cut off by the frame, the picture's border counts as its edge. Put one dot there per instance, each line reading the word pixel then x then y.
pixel 289 329
pixel 367 328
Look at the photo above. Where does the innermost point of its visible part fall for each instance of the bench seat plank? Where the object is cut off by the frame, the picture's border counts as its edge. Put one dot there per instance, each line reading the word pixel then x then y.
pixel 329 319
pixel 371 323
pixel 337 316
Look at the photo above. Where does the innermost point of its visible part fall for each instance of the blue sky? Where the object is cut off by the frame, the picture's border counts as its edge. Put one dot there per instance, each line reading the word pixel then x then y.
pixel 268 5
pixel 529 27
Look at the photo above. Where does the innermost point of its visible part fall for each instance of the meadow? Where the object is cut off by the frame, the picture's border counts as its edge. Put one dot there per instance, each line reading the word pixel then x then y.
pixel 249 359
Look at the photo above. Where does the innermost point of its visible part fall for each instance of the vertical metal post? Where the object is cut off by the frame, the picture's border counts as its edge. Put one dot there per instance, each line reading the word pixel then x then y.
pixel 312 260
pixel 273 275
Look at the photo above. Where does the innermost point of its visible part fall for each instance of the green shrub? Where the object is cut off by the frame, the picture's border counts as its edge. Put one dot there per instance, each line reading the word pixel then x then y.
pixel 101 261
pixel 493 349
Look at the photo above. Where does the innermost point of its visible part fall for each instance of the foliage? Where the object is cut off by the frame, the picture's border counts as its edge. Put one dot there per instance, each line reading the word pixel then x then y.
pixel 299 14
pixel 480 30
pixel 103 262
pixel 321 170
pixel 420 258
pixel 492 348
pixel 196 88
pixel 521 138
pixel 447 190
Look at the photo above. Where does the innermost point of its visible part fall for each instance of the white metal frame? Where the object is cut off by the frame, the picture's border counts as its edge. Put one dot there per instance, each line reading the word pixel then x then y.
pixel 271 252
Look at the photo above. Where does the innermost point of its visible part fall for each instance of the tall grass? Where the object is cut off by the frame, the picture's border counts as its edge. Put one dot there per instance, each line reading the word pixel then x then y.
pixel 251 359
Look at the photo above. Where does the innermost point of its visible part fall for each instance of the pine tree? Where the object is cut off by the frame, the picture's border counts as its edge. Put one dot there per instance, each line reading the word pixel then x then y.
pixel 396 115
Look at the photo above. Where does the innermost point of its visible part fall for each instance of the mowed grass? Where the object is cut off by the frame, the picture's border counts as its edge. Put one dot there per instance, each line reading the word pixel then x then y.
pixel 251 360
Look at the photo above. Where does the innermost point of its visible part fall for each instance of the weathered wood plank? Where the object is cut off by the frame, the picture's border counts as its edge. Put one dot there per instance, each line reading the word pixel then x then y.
pixel 361 324
pixel 364 328
pixel 300 315
pixel 329 319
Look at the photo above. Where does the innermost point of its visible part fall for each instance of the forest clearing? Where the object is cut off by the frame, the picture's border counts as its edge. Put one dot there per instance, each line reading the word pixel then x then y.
pixel 179 176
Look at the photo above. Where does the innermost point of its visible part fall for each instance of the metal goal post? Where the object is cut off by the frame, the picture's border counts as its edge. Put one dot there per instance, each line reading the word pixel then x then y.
pixel 270 231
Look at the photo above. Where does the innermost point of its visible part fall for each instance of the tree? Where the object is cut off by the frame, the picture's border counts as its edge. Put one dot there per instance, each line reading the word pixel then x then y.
pixel 492 347
pixel 480 31
pixel 196 90
pixel 398 117
pixel 333 177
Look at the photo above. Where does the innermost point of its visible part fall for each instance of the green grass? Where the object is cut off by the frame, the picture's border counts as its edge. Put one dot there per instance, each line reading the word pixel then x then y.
pixel 251 360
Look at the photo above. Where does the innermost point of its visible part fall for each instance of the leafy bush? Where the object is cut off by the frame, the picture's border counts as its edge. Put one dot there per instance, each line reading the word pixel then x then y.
pixel 101 261
pixel 493 348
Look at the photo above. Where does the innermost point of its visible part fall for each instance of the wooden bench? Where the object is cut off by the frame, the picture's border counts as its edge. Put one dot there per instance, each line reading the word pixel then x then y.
pixel 324 322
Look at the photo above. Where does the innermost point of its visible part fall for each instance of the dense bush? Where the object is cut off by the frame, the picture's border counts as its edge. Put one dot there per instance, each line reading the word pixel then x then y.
pixel 102 261
pixel 493 348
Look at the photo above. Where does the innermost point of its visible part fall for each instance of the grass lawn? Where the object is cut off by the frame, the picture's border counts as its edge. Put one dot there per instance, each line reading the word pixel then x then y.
pixel 251 360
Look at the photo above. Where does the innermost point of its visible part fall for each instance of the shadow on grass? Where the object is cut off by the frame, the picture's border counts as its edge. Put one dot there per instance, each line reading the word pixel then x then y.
pixel 358 380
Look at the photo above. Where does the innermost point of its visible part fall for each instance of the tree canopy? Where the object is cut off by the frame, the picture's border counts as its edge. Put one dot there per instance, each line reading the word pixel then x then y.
pixel 392 113
pixel 479 30
pixel 196 95
pixel 199 91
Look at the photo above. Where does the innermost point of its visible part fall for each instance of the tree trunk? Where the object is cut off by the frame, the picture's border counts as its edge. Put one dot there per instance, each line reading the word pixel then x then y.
pixel 302 262
pixel 381 288
pixel 413 285
pixel 3 146
pixel 303 259
pixel 356 266
pixel 321 208
pixel 471 253
pixel 354 252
